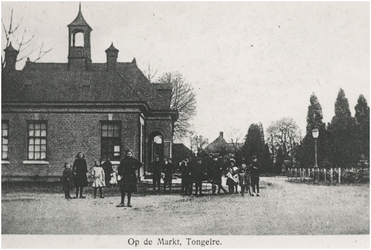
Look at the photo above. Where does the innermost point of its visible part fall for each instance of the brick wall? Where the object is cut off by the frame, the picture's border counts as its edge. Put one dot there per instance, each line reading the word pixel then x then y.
pixel 67 134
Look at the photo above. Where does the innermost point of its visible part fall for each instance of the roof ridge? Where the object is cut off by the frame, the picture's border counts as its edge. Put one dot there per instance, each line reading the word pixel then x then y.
pixel 132 90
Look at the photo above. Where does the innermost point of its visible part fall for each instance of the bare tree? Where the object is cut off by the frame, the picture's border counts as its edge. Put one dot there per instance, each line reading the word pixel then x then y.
pixel 283 134
pixel 15 33
pixel 236 137
pixel 198 142
pixel 183 99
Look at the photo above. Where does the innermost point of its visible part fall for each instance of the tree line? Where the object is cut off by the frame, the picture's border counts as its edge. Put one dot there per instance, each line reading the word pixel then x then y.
pixel 341 142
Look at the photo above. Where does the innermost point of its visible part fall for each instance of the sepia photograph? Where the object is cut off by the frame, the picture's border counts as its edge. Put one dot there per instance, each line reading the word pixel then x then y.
pixel 185 124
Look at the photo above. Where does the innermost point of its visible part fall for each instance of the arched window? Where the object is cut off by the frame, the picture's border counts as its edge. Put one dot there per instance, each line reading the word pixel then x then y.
pixel 156 146
pixel 78 39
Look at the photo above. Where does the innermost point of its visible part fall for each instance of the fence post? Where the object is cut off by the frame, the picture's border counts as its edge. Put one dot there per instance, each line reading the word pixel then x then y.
pixel 301 174
pixel 339 176
pixel 297 173
pixel 292 175
pixel 314 175
pixel 331 175
pixel 324 174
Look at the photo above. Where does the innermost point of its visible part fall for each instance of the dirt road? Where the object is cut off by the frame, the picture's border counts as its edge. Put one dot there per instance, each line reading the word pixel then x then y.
pixel 283 209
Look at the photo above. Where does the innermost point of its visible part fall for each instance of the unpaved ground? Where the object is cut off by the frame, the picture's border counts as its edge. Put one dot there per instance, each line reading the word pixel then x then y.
pixel 283 209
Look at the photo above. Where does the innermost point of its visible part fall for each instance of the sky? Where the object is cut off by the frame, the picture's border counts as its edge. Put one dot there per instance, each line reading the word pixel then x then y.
pixel 248 62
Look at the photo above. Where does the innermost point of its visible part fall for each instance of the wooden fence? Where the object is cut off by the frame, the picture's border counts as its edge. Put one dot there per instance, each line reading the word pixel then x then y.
pixel 329 175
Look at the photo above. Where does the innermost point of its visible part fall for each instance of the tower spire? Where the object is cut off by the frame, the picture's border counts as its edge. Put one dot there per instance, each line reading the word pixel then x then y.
pixel 79 49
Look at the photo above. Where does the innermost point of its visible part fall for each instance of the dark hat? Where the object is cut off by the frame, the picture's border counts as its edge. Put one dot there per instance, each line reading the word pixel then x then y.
pixel 254 156
pixel 199 158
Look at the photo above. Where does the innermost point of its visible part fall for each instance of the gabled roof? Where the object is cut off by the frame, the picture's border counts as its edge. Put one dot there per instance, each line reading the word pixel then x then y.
pixel 79 20
pixel 53 82
pixel 219 145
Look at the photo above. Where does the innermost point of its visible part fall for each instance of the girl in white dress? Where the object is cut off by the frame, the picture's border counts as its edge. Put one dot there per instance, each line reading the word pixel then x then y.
pixel 98 178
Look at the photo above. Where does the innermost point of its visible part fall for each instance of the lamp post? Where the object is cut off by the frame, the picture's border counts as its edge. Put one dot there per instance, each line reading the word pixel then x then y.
pixel 315 133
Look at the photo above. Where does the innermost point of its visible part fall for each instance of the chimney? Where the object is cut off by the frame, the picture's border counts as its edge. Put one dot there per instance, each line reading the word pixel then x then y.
pixel 221 135
pixel 112 53
pixel 10 57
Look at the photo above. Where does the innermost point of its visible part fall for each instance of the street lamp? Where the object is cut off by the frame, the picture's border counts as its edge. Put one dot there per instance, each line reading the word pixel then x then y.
pixel 315 133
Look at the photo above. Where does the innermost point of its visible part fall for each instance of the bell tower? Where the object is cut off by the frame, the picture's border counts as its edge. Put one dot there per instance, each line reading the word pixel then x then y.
pixel 79 49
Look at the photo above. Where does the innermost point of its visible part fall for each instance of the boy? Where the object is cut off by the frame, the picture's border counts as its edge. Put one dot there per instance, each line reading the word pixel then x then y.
pixel 244 179
pixel 67 180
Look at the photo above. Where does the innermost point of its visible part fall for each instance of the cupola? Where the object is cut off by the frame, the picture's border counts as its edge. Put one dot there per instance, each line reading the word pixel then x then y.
pixel 79 48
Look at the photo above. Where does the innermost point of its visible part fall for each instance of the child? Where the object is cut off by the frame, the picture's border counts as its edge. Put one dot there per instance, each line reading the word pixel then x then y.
pixel 113 180
pixel 98 178
pixel 67 180
pixel 232 178
pixel 243 179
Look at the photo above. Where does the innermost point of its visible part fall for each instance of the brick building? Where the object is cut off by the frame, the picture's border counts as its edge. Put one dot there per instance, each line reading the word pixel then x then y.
pixel 51 111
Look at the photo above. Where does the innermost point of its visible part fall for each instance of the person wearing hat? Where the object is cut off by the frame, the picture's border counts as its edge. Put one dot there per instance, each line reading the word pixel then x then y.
pixel 127 171
pixel 255 173
pixel 216 172
pixel 197 175
pixel 232 177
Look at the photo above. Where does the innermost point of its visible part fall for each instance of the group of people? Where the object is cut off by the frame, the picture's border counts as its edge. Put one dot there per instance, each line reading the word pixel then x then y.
pixel 101 176
pixel 244 176
pixel 196 172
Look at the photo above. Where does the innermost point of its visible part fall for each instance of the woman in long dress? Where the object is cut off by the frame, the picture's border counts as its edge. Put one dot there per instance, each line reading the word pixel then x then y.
pixel 79 171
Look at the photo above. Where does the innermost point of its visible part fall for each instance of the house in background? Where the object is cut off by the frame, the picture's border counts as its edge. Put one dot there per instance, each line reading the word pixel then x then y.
pixel 222 148
pixel 51 111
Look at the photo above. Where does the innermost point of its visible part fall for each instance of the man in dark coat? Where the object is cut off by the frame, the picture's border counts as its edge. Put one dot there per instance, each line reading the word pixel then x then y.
pixel 108 170
pixel 79 170
pixel 216 172
pixel 255 173
pixel 198 172
pixel 186 176
pixel 127 172
pixel 168 171
pixel 156 167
